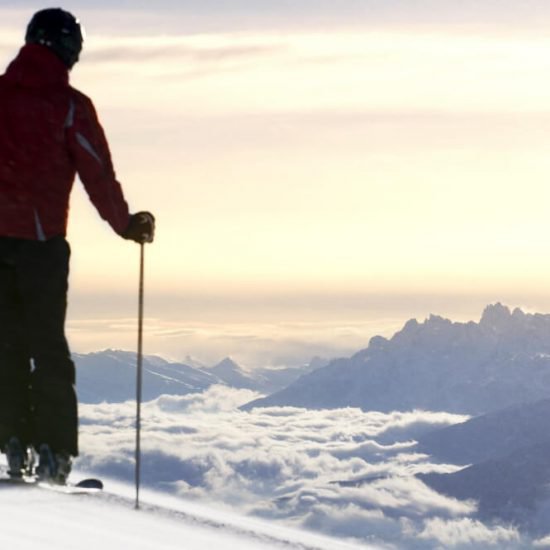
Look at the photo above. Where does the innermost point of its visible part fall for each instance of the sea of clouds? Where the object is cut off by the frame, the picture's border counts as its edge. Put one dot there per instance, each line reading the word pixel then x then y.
pixel 342 472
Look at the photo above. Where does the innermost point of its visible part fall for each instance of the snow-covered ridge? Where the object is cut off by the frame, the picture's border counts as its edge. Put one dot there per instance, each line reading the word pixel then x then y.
pixel 110 375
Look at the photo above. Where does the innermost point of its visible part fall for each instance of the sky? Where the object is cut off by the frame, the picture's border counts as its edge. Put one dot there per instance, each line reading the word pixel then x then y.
pixel 320 172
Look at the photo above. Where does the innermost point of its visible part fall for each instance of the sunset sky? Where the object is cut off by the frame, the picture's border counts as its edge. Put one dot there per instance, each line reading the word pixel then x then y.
pixel 320 171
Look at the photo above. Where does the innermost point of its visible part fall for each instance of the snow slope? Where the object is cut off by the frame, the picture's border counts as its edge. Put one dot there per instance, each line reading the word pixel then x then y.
pixel 38 518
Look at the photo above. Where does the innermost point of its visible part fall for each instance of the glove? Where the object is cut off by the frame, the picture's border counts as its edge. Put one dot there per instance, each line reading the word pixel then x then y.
pixel 141 228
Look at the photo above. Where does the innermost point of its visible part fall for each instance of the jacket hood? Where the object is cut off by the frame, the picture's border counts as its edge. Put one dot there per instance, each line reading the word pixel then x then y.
pixel 36 66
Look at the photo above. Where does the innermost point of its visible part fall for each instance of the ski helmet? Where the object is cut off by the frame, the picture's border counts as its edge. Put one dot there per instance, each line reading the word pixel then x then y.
pixel 60 31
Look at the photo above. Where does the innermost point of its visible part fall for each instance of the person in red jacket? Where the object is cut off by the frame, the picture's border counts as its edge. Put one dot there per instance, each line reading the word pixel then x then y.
pixel 49 132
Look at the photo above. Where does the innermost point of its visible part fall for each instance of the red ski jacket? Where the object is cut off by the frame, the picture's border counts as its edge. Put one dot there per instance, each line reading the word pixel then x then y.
pixel 49 132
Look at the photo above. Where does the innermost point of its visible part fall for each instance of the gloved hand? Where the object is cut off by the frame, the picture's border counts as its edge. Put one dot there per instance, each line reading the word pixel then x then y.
pixel 141 228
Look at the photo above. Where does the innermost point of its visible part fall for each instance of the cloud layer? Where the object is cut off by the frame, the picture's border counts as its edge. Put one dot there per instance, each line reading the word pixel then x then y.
pixel 345 472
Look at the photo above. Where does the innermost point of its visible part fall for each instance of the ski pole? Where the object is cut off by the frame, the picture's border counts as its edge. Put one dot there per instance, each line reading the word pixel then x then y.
pixel 139 376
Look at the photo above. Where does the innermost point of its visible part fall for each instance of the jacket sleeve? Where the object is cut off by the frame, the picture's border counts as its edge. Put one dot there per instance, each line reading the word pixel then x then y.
pixel 90 152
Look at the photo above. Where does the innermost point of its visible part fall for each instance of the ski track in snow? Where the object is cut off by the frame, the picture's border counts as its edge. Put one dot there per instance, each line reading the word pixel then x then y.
pixel 36 518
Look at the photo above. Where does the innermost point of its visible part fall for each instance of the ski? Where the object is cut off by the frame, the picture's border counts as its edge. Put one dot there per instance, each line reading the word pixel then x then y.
pixel 18 481
pixel 88 485
pixel 84 486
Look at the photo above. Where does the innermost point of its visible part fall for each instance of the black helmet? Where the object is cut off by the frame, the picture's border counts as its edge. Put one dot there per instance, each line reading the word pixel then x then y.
pixel 60 31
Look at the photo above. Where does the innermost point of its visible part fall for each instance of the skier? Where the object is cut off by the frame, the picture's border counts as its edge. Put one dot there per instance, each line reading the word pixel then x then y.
pixel 49 132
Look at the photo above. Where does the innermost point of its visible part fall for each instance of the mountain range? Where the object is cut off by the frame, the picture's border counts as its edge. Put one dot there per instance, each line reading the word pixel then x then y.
pixel 509 474
pixel 437 364
pixel 110 376
pixel 490 436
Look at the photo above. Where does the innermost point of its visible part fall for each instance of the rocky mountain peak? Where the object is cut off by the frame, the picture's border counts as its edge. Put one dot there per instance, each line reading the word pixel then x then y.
pixel 497 316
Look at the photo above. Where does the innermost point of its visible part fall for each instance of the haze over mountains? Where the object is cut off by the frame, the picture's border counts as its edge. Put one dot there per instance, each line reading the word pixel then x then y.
pixel 470 368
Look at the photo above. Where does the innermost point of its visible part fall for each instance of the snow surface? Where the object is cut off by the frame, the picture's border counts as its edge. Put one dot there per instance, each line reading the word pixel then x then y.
pixel 38 518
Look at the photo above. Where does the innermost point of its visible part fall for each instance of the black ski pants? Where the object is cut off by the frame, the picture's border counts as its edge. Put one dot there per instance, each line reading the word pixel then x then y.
pixel 37 376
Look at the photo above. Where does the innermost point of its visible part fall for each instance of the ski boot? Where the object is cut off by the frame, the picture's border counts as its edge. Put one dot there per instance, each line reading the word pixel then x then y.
pixel 20 459
pixel 53 467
